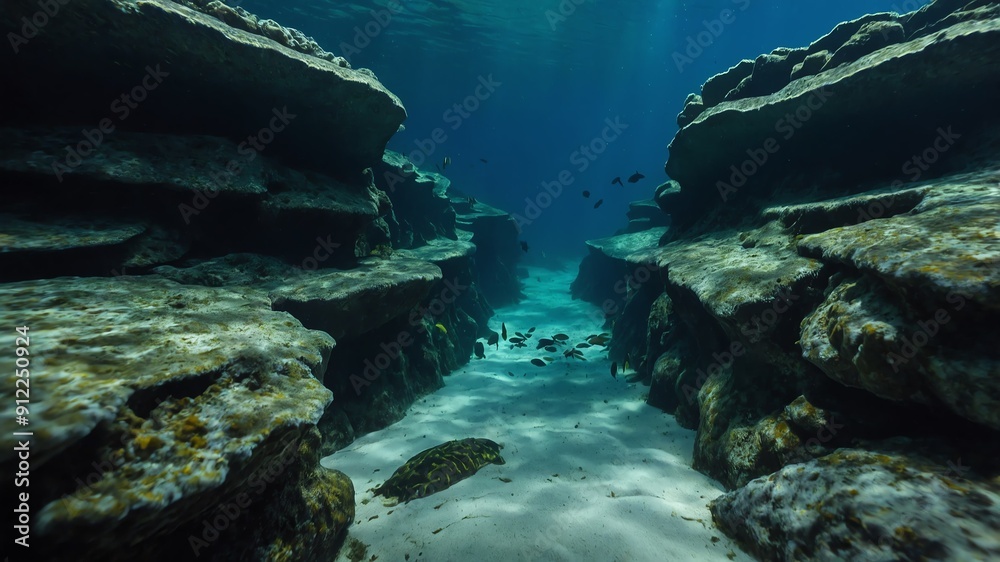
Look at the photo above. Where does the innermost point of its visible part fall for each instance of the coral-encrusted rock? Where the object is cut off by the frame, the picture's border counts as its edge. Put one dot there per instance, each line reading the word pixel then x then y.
pixel 355 301
pixel 852 335
pixel 715 88
pixel 604 273
pixel 154 403
pixel 944 254
pixel 812 64
pixel 196 74
pixel 861 505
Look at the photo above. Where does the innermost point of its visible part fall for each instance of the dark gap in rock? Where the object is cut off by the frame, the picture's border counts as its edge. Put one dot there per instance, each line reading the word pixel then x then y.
pixel 144 400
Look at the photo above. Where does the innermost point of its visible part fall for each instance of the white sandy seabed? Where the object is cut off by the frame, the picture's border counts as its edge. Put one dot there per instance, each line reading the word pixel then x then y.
pixel 595 473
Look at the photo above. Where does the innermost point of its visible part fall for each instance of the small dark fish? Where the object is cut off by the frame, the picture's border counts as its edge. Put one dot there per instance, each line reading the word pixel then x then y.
pixel 560 337
pixel 599 203
pixel 586 194
pixel 635 177
pixel 531 330
pixel 480 350
pixel 617 180
pixel 503 331
pixel 568 353
pixel 472 201
pixel 625 364
pixel 583 345
pixel 510 374
pixel 484 161
pixel 538 362
pixel 544 342
pixel 494 340
pixel 614 370
pixel 445 162
pixel 516 340
pixel 550 349
pixel 601 339
pixel 520 335
pixel 524 245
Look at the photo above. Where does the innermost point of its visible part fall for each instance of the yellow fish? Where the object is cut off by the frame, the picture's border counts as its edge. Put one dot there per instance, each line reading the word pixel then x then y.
pixel 441 327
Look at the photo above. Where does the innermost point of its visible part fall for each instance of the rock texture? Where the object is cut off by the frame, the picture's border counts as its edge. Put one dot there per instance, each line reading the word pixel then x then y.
pixel 185 68
pixel 771 131
pixel 185 237
pixel 145 422
pixel 184 193
pixel 863 505
pixel 825 303
pixel 421 210
pixel 496 236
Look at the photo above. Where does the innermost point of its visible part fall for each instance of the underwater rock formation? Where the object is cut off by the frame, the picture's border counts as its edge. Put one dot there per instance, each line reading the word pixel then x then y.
pixel 421 210
pixel 498 251
pixel 145 199
pixel 604 277
pixel 191 72
pixel 866 505
pixel 379 373
pixel 147 437
pixel 191 280
pixel 829 281
pixel 772 131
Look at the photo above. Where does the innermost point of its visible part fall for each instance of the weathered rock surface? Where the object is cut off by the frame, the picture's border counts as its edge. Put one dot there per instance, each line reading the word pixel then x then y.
pixel 842 294
pixel 498 251
pixel 771 138
pixel 614 266
pixel 239 18
pixel 863 505
pixel 184 69
pixel 182 193
pixel 421 210
pixel 358 300
pixel 156 402
pixel 947 245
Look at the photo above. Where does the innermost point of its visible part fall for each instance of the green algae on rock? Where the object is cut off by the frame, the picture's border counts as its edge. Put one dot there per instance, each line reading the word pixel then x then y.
pixel 864 505
pixel 178 390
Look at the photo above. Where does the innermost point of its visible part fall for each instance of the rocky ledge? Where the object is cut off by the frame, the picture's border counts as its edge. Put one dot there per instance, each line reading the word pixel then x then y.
pixel 183 282
pixel 826 320
pixel 160 65
pixel 168 427
pixel 937 62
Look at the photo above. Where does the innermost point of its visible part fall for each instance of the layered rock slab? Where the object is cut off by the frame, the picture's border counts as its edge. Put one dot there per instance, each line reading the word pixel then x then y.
pixel 180 192
pixel 196 74
pixel 948 244
pixel 958 64
pixel 173 394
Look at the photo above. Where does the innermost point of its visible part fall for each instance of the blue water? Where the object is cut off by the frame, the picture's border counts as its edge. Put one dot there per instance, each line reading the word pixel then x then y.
pixel 559 79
